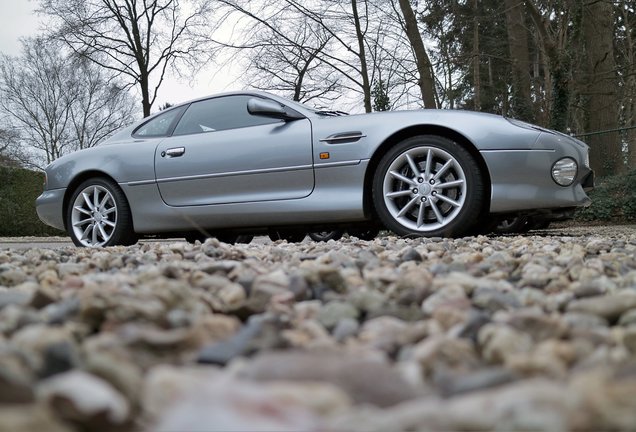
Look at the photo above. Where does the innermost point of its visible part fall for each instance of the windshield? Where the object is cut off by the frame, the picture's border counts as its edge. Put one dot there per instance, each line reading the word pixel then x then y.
pixel 316 110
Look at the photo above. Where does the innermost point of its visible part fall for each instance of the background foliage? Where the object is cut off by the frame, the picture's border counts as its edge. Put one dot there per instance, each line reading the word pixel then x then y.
pixel 18 190
pixel 613 200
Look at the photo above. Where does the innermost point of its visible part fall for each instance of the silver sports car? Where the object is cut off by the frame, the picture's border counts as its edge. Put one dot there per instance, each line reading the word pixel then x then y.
pixel 242 163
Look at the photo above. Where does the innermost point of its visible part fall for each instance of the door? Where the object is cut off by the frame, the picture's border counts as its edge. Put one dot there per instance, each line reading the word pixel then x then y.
pixel 219 153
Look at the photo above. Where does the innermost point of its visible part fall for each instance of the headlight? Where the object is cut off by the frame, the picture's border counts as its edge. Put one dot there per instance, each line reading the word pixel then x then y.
pixel 564 171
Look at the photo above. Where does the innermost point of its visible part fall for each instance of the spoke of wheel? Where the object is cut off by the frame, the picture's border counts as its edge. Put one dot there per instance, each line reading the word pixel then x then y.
pixel 398 194
pixel 402 178
pixel 86 232
pixel 82 222
pixel 104 201
pixel 102 232
pixel 420 215
pixel 413 165
pixel 109 211
pixel 450 184
pixel 96 197
pixel 94 236
pixel 82 210
pixel 438 214
pixel 446 166
pixel 429 164
pixel 448 200
pixel 109 223
pixel 407 207
pixel 87 200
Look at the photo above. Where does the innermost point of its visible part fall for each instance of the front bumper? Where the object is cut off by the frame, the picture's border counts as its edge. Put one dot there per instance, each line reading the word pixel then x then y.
pixel 588 181
pixel 50 207
pixel 521 181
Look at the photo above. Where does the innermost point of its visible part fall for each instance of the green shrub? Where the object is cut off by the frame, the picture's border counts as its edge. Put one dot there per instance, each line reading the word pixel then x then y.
pixel 18 190
pixel 614 199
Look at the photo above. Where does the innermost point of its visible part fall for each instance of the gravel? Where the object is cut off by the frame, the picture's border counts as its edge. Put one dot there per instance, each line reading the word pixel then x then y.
pixel 533 332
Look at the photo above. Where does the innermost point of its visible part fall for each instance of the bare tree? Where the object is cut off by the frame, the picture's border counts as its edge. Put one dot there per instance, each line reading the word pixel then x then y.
pixel 601 90
pixel 138 39
pixel 54 106
pixel 8 140
pixel 425 70
pixel 292 67
pixel 102 105
pixel 520 58
pixel 553 29
pixel 364 39
pixel 342 22
pixel 37 98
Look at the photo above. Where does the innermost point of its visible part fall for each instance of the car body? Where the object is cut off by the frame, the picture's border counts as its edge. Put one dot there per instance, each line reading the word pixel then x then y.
pixel 249 162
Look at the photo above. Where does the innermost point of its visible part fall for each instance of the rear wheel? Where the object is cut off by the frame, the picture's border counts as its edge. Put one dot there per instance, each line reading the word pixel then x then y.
pixel 323 236
pixel 364 233
pixel 288 235
pixel 518 224
pixel 98 215
pixel 225 238
pixel 428 186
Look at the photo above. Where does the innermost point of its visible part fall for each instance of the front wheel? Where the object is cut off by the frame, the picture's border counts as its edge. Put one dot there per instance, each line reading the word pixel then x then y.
pixel 98 215
pixel 428 186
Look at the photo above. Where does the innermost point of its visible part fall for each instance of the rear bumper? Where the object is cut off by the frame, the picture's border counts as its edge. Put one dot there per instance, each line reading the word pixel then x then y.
pixel 50 207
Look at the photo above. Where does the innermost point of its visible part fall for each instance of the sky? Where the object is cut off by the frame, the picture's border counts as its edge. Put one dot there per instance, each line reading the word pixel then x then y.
pixel 17 20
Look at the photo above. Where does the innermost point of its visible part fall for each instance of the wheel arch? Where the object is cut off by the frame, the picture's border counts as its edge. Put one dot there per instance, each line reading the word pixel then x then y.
pixel 369 208
pixel 78 180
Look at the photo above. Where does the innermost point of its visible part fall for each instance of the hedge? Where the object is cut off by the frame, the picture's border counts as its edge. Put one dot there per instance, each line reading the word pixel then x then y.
pixel 613 200
pixel 18 190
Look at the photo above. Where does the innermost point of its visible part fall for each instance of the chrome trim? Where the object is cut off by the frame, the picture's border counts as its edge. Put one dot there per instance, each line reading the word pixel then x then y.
pixel 337 138
pixel 140 182
pixel 337 164
pixel 173 152
pixel 234 173
pixel 516 150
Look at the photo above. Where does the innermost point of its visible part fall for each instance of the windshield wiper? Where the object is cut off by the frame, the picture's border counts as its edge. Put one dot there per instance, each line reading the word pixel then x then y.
pixel 332 113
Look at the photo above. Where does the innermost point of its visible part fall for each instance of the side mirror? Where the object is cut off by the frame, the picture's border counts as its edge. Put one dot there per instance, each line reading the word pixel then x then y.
pixel 269 108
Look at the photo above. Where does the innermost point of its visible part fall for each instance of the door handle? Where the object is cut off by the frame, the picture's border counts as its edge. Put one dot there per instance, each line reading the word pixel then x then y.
pixel 173 152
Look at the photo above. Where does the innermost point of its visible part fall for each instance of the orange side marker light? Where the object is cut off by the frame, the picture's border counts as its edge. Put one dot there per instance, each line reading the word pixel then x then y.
pixel 324 155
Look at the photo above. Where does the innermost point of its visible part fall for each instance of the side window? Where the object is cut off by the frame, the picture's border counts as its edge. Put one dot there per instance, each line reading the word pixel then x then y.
pixel 160 125
pixel 228 112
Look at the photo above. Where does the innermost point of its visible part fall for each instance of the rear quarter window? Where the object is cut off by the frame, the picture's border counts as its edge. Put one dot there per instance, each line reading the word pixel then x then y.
pixel 160 125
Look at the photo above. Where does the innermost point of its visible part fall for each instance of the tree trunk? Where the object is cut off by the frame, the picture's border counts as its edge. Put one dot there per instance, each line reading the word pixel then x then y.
pixel 606 155
pixel 520 57
pixel 476 57
pixel 629 94
pixel 424 68
pixel 558 67
pixel 145 95
pixel 364 71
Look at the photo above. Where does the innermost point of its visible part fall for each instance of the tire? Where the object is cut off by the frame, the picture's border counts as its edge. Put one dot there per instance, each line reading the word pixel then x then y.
pixel 244 239
pixel 289 236
pixel 428 186
pixel 538 224
pixel 515 225
pixel 364 233
pixel 98 215
pixel 192 237
pixel 324 236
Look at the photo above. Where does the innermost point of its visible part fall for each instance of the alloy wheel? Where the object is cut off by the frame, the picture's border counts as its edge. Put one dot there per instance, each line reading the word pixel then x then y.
pixel 94 216
pixel 424 188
